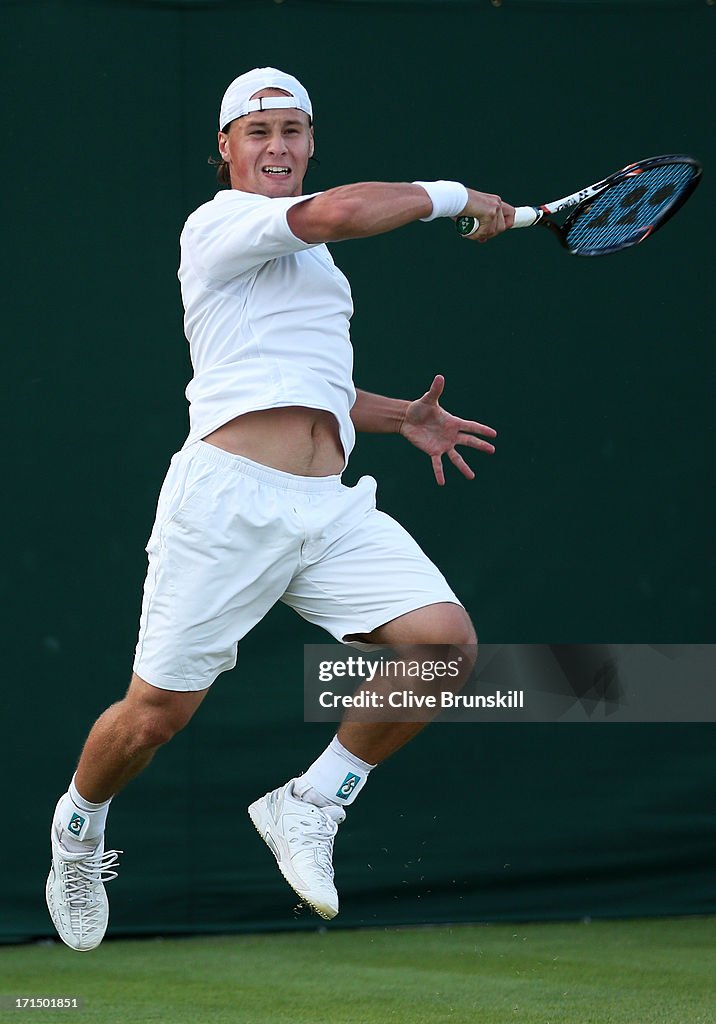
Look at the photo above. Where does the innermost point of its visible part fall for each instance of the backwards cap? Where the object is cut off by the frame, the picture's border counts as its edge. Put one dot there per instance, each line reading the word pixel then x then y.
pixel 237 99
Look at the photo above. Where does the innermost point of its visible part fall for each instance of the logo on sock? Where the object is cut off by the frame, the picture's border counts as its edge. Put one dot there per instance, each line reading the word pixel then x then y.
pixel 76 824
pixel 348 785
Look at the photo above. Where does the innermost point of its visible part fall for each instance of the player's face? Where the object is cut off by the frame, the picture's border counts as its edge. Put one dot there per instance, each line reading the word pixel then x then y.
pixel 268 151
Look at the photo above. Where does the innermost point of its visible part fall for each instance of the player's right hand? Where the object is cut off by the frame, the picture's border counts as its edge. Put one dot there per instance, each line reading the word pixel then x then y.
pixel 494 215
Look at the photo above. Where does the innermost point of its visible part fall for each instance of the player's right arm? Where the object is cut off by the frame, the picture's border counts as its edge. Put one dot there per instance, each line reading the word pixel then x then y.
pixel 374 207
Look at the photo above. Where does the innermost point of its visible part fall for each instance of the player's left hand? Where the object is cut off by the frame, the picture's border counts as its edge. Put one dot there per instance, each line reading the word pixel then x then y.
pixel 436 432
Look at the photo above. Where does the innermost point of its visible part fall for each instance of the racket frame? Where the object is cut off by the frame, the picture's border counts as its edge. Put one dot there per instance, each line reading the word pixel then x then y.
pixel 528 216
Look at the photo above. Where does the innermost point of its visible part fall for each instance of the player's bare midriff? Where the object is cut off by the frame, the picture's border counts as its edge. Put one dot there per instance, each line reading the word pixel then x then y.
pixel 293 439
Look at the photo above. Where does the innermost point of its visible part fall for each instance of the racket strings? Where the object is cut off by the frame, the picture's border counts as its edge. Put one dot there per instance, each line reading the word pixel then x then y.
pixel 629 210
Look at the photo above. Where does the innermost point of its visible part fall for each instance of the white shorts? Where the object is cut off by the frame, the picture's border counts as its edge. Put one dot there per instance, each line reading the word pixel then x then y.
pixel 232 537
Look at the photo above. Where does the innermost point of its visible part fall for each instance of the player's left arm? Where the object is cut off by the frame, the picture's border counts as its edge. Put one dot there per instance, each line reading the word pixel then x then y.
pixel 376 414
pixel 425 424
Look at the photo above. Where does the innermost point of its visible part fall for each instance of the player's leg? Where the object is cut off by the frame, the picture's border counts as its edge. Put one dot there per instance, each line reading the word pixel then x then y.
pixel 432 633
pixel 299 820
pixel 373 584
pixel 120 744
pixel 224 545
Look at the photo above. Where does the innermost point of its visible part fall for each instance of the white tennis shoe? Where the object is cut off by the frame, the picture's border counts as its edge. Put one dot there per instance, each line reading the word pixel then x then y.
pixel 75 893
pixel 300 836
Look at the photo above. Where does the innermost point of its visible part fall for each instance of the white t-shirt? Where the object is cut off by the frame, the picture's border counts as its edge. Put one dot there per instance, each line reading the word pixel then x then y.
pixel 266 316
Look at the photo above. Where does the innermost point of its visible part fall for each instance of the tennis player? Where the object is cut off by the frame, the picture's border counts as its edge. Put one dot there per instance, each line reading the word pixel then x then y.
pixel 253 511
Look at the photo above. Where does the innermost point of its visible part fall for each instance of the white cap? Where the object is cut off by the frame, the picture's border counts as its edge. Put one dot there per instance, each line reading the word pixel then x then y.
pixel 237 99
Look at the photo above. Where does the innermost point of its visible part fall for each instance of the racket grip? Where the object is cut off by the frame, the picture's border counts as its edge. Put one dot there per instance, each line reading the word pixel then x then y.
pixel 525 217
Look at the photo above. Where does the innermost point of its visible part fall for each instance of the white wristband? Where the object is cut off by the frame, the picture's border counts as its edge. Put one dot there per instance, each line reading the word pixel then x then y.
pixel 448 198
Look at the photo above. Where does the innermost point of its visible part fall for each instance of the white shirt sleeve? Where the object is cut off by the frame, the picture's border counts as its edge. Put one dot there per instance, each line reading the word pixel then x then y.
pixel 238 231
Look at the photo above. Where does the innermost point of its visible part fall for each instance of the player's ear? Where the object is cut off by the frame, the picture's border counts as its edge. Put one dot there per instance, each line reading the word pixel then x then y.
pixel 224 145
pixel 312 144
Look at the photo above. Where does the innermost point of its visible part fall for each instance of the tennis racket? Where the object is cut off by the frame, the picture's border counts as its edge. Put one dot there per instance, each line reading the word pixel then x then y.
pixel 617 212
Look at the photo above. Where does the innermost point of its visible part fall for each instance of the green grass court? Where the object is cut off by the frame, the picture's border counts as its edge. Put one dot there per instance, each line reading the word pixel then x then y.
pixel 660 971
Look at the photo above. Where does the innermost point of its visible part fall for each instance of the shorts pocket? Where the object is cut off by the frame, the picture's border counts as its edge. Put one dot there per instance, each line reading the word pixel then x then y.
pixel 188 482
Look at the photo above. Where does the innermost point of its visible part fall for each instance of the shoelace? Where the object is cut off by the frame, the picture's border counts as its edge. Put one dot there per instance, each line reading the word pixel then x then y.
pixel 320 836
pixel 81 876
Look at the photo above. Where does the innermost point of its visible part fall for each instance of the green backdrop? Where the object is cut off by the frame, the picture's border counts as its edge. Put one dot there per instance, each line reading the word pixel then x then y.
pixel 593 523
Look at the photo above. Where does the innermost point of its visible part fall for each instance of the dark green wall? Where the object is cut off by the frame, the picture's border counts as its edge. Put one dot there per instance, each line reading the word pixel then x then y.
pixel 591 524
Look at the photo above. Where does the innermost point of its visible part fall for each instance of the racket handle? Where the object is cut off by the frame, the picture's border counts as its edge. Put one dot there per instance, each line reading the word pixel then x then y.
pixel 525 217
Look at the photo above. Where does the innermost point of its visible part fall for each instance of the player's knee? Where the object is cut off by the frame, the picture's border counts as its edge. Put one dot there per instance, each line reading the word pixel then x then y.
pixel 153 717
pixel 448 635
pixel 452 626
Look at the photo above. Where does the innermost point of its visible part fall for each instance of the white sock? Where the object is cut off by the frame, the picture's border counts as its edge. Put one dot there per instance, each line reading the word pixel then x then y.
pixel 81 822
pixel 336 777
